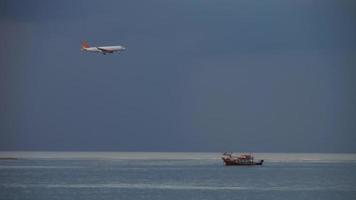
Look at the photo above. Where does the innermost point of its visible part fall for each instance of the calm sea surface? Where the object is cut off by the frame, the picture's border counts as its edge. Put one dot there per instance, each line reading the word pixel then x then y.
pixel 119 175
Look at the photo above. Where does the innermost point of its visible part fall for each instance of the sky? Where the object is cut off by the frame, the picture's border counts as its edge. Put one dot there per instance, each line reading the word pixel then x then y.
pixel 201 75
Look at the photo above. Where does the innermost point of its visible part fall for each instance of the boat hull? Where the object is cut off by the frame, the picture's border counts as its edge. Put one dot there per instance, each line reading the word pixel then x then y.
pixel 232 162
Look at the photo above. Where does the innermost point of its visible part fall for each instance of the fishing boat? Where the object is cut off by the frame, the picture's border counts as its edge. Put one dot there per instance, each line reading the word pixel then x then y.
pixel 243 159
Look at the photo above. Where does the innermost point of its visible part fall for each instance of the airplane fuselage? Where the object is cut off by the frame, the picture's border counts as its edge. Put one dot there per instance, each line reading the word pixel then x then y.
pixel 104 49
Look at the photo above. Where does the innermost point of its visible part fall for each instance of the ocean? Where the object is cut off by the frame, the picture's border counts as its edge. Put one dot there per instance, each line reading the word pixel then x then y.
pixel 183 176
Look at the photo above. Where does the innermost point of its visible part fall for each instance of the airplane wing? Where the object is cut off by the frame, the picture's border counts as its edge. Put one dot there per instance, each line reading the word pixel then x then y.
pixel 105 50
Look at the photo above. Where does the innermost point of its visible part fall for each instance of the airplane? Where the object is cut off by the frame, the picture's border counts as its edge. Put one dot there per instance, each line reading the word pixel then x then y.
pixel 104 50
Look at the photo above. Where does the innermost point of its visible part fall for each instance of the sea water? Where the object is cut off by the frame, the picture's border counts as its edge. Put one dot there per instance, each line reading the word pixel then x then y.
pixel 156 176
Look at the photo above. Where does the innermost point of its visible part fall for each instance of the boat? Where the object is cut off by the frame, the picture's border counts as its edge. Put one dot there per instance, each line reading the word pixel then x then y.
pixel 243 159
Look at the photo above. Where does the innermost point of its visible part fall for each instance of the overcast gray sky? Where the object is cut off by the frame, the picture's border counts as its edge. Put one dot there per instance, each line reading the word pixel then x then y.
pixel 209 75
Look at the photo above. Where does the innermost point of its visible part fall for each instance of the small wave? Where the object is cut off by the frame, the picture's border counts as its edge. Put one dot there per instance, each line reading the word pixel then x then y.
pixel 36 167
pixel 180 187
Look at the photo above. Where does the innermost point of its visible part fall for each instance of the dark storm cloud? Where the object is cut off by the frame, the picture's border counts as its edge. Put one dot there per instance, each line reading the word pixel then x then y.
pixel 39 11
pixel 197 76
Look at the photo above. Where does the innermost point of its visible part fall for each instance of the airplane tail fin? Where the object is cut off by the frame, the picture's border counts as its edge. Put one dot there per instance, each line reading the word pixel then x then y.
pixel 85 44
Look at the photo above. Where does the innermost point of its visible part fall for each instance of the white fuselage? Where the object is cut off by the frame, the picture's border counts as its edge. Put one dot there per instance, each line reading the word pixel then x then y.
pixel 104 49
